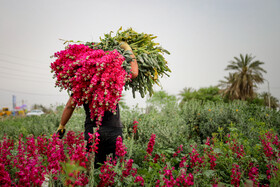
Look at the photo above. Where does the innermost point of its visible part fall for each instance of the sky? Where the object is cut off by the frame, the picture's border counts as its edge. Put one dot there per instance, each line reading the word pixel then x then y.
pixel 203 36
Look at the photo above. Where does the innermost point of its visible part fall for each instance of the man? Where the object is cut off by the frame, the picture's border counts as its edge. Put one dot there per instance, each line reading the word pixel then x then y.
pixel 111 126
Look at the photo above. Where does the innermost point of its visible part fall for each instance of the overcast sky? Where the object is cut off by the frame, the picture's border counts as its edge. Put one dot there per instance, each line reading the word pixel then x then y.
pixel 202 36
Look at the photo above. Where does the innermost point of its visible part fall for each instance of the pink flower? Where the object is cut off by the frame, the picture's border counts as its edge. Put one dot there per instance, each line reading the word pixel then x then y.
pixel 93 76
pixel 179 149
pixel 151 144
pixel 128 168
pixel 196 160
pixel 120 147
pixel 253 172
pixel 135 127
pixel 94 147
pixel 5 179
pixel 236 175
pixel 139 179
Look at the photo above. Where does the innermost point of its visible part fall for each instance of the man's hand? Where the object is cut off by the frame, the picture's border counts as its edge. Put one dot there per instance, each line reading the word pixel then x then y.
pixel 125 46
pixel 66 115
pixel 61 131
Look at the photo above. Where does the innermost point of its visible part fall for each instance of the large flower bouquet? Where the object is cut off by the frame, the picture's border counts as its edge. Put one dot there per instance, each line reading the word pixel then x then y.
pixel 95 73
pixel 92 76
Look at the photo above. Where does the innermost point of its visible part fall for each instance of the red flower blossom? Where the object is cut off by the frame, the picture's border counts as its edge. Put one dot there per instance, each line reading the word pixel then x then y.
pixel 139 179
pixel 120 147
pixel 151 144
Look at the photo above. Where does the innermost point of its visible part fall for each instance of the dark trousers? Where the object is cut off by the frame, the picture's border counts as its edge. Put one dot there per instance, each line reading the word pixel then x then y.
pixel 107 144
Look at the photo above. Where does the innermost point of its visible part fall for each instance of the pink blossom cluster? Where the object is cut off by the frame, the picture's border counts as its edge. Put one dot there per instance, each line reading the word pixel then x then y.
pixel 271 146
pixel 185 179
pixel 94 137
pixel 107 176
pixel 108 173
pixel 168 177
pixel 179 150
pixel 209 151
pixel 76 148
pixel 6 146
pixel 139 179
pixel 120 148
pixel 169 180
pixel 92 76
pixel 135 124
pixel 195 159
pixel 5 180
pixel 268 141
pixel 236 175
pixel 128 169
pixel 33 158
pixel 30 170
pixel 237 148
pixel 151 144
pixel 253 172
pixel 55 155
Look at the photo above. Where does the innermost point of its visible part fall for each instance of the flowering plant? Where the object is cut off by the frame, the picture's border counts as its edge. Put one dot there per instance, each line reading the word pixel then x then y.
pixel 93 76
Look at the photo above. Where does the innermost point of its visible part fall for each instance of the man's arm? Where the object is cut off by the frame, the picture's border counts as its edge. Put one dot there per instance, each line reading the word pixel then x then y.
pixel 66 115
pixel 133 63
pixel 67 112
pixel 134 67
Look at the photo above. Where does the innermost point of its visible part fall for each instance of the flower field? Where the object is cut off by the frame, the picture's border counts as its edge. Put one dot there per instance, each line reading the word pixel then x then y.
pixel 194 144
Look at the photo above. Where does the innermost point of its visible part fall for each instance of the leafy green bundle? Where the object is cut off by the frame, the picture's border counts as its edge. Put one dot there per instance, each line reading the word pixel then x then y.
pixel 149 56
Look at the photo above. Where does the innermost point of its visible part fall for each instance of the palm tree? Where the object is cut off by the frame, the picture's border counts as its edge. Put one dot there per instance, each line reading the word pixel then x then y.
pixel 269 100
pixel 241 83
pixel 187 94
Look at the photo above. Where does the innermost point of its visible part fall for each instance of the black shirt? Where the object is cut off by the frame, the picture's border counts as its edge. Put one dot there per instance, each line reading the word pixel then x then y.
pixel 108 120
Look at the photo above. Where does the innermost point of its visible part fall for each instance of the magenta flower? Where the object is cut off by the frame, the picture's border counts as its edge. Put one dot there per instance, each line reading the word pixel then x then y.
pixel 93 76
pixel 179 150
pixel 236 175
pixel 253 172
pixel 120 147
pixel 5 179
pixel 135 127
pixel 128 168
pixel 151 144
pixel 139 179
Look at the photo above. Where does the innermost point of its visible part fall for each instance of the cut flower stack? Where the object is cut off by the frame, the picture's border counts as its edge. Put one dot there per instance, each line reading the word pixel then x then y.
pixel 95 73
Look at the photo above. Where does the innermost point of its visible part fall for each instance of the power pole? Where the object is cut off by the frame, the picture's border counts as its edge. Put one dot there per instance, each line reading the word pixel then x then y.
pixel 268 94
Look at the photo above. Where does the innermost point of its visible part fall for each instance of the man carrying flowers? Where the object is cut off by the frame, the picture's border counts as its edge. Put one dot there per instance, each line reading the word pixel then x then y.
pixel 103 87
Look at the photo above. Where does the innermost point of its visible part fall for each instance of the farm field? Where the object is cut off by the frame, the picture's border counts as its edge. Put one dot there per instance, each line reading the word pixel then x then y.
pixel 193 144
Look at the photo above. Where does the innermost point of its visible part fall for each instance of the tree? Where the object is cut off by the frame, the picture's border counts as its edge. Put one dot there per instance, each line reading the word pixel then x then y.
pixel 210 93
pixel 187 94
pixel 241 83
pixel 269 100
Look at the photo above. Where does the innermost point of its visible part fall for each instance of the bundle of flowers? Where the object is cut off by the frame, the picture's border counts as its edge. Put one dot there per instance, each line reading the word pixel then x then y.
pixel 149 56
pixel 92 76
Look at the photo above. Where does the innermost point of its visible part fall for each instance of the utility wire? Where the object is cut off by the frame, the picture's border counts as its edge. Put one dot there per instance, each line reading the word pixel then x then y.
pixel 27 59
pixel 31 72
pixel 29 93
pixel 25 65
pixel 23 75
pixel 23 79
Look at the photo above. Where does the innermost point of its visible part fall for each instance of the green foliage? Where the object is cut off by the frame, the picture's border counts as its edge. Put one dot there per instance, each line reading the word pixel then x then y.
pixel 204 94
pixel 40 125
pixel 148 54
pixel 187 125
pixel 204 120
